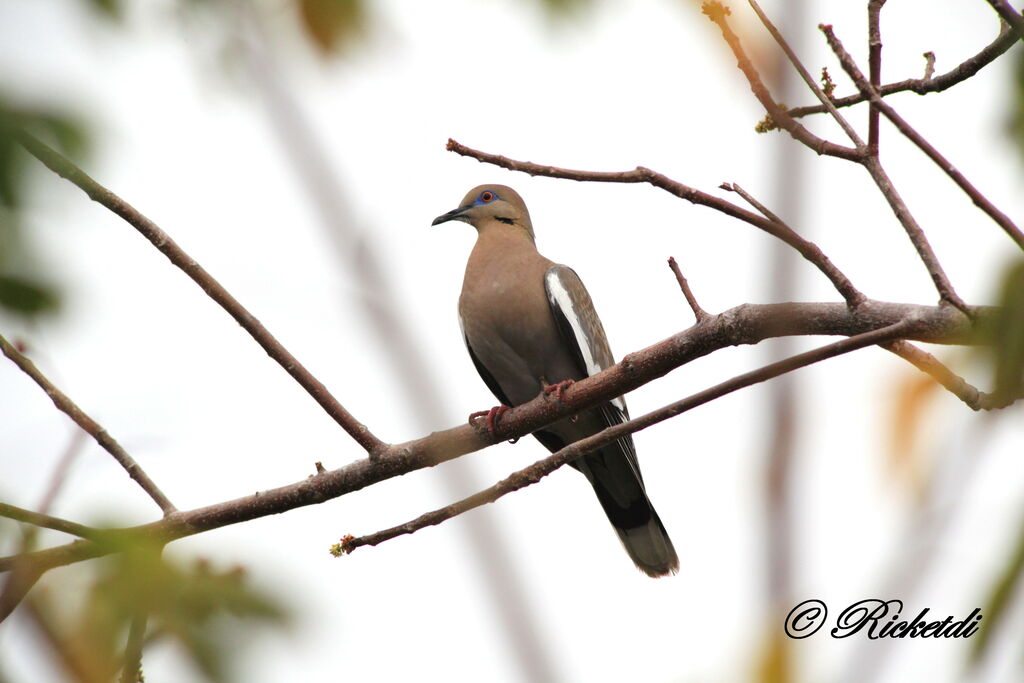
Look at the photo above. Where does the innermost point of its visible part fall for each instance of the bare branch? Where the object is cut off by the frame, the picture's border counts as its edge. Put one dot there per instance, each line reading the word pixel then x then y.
pixel 718 13
pixel 948 168
pixel 807 249
pixel 699 313
pixel 176 255
pixel 745 324
pixel 45 521
pixel 929 66
pixel 542 468
pixel 104 439
pixel 1009 15
pixel 875 68
pixel 956 385
pixel 922 86
pixel 822 96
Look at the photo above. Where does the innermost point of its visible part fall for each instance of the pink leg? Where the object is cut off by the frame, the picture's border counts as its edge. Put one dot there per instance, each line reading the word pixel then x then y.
pixel 491 417
pixel 559 388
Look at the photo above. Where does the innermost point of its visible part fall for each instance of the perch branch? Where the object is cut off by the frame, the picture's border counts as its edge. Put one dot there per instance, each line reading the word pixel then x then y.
pixel 746 324
pixel 807 249
pixel 176 255
pixel 850 66
pixel 93 428
pixel 542 468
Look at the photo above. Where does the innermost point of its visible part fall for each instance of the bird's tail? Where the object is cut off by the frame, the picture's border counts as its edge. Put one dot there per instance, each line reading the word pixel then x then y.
pixel 624 499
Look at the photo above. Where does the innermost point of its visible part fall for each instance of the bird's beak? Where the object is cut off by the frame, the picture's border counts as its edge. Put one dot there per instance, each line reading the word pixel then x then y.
pixel 458 214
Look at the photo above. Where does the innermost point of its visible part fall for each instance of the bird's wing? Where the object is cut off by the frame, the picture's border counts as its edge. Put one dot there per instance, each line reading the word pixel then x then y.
pixel 485 374
pixel 583 334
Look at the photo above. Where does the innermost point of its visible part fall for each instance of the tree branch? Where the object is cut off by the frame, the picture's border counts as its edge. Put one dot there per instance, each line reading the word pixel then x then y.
pixel 850 66
pixel 807 249
pixel 745 324
pixel 826 101
pixel 104 439
pixel 176 255
pixel 875 67
pixel 922 86
pixel 699 313
pixel 718 13
pixel 956 385
pixel 542 468
pixel 45 521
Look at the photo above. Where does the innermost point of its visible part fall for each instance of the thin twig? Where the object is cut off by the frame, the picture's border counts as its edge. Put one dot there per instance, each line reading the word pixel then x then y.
pixel 640 174
pixel 752 200
pixel 718 13
pixel 929 66
pixel 699 313
pixel 955 384
pixel 176 255
pixel 875 68
pixel 745 324
pixel 983 203
pixel 541 468
pixel 822 96
pixel 45 521
pixel 68 407
pixel 923 86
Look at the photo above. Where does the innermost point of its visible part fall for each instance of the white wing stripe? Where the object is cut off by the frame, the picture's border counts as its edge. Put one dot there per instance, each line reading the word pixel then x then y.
pixel 564 302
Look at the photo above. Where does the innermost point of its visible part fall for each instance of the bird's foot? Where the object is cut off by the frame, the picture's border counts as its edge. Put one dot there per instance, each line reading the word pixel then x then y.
pixel 490 417
pixel 559 389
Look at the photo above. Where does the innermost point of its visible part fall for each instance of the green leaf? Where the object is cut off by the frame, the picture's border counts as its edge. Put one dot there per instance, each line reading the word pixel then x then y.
pixel 1008 335
pixel 112 9
pixel 23 296
pixel 1015 122
pixel 998 600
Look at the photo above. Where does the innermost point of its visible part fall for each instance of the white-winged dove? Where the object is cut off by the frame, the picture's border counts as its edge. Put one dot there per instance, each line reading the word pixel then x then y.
pixel 530 326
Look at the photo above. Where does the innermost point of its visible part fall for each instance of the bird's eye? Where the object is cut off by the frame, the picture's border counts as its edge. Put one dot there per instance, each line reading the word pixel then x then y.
pixel 487 196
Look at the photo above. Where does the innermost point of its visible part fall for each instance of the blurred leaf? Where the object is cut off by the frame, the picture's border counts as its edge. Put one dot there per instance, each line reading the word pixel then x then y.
pixel 1005 334
pixel 62 129
pixel 330 23
pixel 20 295
pixel 202 610
pixel 111 8
pixel 998 600
pixel 913 393
pixel 1016 119
pixel 775 661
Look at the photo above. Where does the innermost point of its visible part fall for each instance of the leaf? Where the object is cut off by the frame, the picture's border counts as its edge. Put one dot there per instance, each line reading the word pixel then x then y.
pixel 1008 336
pixel 999 598
pixel 111 9
pixel 26 297
pixel 909 424
pixel 202 610
pixel 1015 121
pixel 330 23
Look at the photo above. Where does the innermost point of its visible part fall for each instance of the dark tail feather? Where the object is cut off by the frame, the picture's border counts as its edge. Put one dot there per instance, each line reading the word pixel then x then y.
pixel 624 499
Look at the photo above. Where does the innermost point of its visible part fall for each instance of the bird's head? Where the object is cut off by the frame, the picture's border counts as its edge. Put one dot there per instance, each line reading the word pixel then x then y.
pixel 491 204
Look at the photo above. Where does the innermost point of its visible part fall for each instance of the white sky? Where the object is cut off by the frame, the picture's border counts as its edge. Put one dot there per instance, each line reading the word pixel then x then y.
pixel 188 142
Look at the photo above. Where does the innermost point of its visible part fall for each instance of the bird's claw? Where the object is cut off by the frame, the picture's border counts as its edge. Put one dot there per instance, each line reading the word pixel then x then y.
pixel 558 389
pixel 490 418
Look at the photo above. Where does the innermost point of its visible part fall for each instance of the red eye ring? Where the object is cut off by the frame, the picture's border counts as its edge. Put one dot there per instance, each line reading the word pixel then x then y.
pixel 486 196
